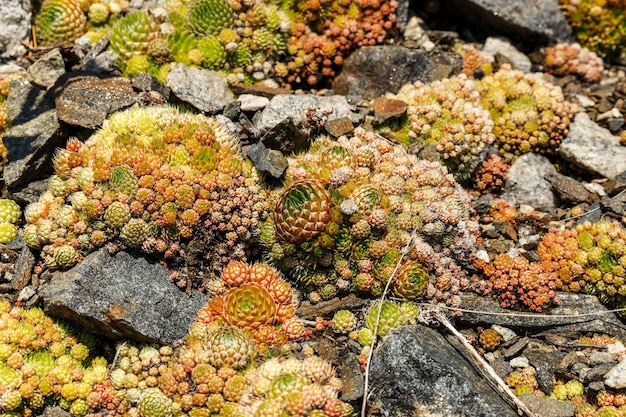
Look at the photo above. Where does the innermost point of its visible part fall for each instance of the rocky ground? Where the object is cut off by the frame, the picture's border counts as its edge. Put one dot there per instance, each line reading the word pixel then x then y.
pixel 68 92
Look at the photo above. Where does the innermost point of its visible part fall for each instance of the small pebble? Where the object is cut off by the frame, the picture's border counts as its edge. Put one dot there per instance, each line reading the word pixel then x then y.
pixel 520 362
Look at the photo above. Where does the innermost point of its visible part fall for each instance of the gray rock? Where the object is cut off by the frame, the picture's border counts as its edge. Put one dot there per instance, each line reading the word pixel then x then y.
pixel 15 28
pixel 593 148
pixel 595 374
pixel 415 35
pixel 546 360
pixel 47 69
pixel 601 358
pixel 34 135
pixel 98 60
pixel 23 269
pixel 372 71
pixel 55 412
pixel 121 296
pixel 87 100
pixel 616 377
pixel 146 82
pixel 251 102
pixel 339 127
pixel 526 183
pixel 206 90
pixel 268 160
pixel 527 21
pixel 429 378
pixel 585 314
pixel 548 407
pixel 504 53
pixel 569 190
pixel 30 192
pixel 302 107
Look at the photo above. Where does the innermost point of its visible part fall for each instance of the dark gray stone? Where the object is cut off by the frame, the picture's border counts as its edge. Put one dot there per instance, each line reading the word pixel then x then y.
pixel 34 135
pixel 87 100
pixel 205 90
pixel 546 361
pixel 416 371
pixel 146 82
pixel 575 306
pixel 23 269
pixel 121 296
pixel 522 20
pixel 268 160
pixel 47 69
pixel 373 71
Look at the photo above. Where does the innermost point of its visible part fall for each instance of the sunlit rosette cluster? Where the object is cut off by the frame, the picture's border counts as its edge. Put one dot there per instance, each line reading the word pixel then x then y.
pixel 597 25
pixel 447 114
pixel 350 207
pixel 565 58
pixel 515 282
pixel 588 258
pixel 256 299
pixel 294 387
pixel 43 362
pixel 148 179
pixel 529 113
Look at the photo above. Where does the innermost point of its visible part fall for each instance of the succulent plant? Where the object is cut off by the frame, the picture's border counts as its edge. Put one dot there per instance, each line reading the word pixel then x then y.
pixel 391 316
pixel 210 17
pixel 564 58
pixel 447 115
pixel 344 321
pixel 229 346
pixel 60 21
pixel 490 339
pixel 294 387
pixel 256 299
pixel 150 177
pixel 131 35
pixel 530 114
pixel 598 26
pixel 347 209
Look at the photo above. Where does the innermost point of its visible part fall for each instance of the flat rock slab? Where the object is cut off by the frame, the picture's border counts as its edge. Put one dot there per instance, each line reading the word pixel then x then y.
pixel 87 100
pixel 120 296
pixel 34 135
pixel 526 182
pixel 522 20
pixel 373 71
pixel 593 148
pixel 416 371
pixel 15 28
pixel 205 90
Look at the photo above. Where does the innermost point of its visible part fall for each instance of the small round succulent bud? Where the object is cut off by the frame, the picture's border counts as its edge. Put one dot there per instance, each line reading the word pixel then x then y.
pixel 210 17
pixel 9 211
pixel 391 317
pixel 98 13
pixel 574 388
pixel 134 233
pixel 65 257
pixel 229 346
pixel 8 232
pixel 365 337
pixel 344 321
pixel 490 339
pixel 153 403
pixel 117 214
pixel 79 407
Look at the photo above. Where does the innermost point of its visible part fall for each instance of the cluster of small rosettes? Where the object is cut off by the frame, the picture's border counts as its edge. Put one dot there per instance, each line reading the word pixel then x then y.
pixel 517 282
pixel 43 363
pixel 447 114
pixel 523 380
pixel 256 299
pixel 148 179
pixel 588 258
pixel 530 114
pixel 326 31
pixel 349 207
pixel 60 21
pixel 567 391
pixel 293 387
pixel 565 58
pixel 594 25
pixel 200 377
pixel 10 214
pixel 490 176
